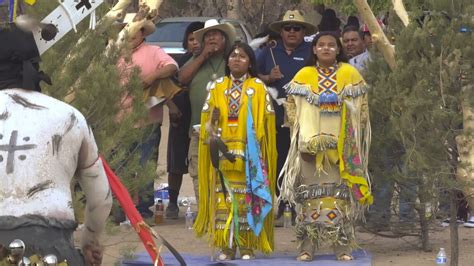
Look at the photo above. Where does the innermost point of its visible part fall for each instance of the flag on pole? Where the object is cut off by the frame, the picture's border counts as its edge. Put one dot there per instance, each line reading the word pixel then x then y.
pixel 136 220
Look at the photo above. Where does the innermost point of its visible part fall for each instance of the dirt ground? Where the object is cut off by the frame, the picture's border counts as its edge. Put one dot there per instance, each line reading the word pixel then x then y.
pixel 120 241
pixel 123 241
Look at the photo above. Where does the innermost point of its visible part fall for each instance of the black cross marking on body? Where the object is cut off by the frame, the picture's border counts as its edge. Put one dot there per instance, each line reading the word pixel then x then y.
pixel 11 148
pixel 85 3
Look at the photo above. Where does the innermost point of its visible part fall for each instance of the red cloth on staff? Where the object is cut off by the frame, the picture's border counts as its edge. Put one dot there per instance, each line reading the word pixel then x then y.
pixel 136 220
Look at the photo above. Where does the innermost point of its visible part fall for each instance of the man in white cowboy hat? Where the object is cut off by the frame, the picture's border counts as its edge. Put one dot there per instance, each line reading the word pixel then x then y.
pixel 215 38
pixel 154 65
pixel 277 66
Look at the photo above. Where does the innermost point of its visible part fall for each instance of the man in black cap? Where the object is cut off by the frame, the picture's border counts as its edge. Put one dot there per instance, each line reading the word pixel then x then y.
pixel 44 144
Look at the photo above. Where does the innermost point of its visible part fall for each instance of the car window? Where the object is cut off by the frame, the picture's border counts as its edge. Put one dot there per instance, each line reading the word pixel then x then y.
pixel 240 32
pixel 169 32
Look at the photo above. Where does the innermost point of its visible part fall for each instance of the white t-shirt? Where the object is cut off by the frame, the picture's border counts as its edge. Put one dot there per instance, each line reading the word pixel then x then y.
pixel 360 61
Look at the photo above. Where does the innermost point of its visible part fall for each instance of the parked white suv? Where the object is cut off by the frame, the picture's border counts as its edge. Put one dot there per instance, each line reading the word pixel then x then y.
pixel 169 32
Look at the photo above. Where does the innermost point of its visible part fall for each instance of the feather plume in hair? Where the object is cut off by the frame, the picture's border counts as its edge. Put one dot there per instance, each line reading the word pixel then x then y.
pixel 255 43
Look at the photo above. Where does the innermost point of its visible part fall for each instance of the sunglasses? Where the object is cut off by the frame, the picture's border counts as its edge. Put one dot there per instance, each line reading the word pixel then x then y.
pixel 295 28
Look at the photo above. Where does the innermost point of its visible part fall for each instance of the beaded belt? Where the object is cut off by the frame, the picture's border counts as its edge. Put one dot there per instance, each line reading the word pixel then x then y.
pixel 315 191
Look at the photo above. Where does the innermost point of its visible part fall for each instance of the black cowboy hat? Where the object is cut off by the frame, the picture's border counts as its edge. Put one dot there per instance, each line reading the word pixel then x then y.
pixel 19 59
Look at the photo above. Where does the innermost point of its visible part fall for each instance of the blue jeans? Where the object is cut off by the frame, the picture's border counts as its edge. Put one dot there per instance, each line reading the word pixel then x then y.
pixel 380 211
pixel 149 153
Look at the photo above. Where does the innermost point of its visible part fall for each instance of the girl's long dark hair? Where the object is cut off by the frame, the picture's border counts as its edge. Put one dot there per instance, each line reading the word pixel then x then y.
pixel 312 58
pixel 248 50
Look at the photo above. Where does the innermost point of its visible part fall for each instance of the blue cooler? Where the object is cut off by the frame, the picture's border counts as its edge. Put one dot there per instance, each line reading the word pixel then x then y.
pixel 163 195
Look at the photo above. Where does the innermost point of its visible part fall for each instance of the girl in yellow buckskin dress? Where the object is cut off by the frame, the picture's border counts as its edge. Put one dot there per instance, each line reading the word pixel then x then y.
pixel 235 196
pixel 325 174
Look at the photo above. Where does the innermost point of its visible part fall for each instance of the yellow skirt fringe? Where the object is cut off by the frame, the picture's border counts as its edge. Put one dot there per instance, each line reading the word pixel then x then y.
pixel 220 238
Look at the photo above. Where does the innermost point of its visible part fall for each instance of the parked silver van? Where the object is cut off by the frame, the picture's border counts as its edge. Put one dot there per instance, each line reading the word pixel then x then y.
pixel 170 31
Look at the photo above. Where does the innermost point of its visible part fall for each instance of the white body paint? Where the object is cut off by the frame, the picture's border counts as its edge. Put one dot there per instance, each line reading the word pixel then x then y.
pixel 48 162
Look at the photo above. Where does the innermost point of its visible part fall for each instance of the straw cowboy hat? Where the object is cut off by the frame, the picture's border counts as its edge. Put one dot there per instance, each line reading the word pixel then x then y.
pixel 293 17
pixel 148 27
pixel 213 24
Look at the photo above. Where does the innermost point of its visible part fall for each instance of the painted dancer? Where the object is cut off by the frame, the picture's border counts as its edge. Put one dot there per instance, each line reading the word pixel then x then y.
pixel 325 173
pixel 236 188
pixel 44 143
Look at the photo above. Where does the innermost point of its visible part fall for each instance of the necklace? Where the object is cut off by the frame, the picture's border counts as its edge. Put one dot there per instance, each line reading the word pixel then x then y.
pixel 329 101
pixel 215 69
pixel 327 78
pixel 234 97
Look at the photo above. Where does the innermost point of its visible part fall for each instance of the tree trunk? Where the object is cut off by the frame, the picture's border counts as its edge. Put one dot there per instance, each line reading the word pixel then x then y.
pixel 425 235
pixel 465 141
pixel 425 197
pixel 453 227
pixel 380 40
pixel 233 9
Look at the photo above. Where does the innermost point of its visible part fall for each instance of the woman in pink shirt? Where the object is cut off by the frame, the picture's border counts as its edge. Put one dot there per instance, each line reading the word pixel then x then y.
pixel 154 64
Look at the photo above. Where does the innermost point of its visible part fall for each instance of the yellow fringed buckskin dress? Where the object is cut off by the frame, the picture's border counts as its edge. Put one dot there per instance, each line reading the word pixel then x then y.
pixel 215 213
pixel 325 173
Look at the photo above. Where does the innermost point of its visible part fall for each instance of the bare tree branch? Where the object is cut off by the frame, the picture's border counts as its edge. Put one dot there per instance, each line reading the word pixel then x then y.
pixel 379 37
pixel 401 12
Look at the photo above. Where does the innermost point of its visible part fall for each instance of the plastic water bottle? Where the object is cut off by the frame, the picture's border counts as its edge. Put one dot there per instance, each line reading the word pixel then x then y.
pixel 184 202
pixel 441 258
pixel 159 210
pixel 287 216
pixel 189 215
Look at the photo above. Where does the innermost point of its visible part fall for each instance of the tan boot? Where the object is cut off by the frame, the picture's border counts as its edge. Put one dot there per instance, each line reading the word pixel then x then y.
pixel 343 253
pixel 226 254
pixel 304 256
